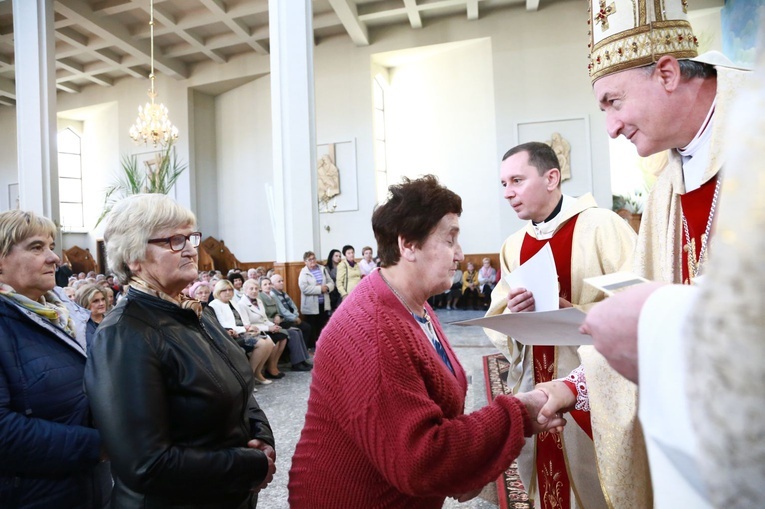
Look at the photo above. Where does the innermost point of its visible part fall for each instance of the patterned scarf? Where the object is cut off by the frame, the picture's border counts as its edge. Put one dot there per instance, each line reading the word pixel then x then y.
pixel 49 307
pixel 182 300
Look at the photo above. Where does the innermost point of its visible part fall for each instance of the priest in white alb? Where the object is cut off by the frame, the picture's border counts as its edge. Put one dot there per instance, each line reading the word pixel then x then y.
pixel 558 470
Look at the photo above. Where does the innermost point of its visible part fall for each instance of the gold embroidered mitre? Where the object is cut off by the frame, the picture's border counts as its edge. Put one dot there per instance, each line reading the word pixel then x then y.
pixel 625 34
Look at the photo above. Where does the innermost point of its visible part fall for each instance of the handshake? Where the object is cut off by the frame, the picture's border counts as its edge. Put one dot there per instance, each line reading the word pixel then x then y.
pixel 546 404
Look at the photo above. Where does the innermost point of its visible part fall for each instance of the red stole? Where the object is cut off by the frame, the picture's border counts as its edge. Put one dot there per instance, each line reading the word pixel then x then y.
pixel 554 483
pixel 696 207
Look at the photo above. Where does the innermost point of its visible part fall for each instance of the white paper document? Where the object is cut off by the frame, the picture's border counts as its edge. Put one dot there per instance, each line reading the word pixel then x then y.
pixel 539 276
pixel 559 327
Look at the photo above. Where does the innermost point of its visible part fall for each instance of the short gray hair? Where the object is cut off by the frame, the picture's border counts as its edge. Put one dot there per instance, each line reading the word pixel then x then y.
pixel 133 221
pixel 689 69
pixel 17 225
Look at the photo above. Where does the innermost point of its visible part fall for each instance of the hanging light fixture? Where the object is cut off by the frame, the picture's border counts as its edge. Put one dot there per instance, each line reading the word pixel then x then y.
pixel 153 124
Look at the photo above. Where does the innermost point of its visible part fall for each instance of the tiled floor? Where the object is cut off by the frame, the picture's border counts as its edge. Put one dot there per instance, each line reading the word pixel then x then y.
pixel 285 404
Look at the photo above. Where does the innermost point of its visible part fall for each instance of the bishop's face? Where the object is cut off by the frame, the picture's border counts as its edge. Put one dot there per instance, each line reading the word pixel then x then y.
pixel 638 107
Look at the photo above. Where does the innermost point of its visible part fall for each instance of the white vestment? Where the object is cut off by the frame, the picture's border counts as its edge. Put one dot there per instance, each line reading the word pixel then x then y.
pixel 664 409
pixel 613 400
pixel 701 348
pixel 602 243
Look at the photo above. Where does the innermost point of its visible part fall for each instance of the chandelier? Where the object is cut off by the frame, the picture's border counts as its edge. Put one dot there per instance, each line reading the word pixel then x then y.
pixel 153 124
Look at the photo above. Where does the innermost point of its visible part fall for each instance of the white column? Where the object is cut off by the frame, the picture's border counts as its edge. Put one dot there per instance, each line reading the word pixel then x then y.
pixel 34 45
pixel 295 202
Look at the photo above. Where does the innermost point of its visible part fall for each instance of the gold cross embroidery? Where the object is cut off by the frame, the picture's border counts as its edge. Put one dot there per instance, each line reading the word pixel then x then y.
pixel 602 16
pixel 685 6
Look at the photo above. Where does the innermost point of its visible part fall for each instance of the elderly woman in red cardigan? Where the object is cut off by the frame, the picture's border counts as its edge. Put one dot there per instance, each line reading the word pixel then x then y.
pixel 385 425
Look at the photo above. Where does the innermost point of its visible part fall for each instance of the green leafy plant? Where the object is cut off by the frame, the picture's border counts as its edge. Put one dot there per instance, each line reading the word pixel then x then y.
pixel 632 202
pixel 156 176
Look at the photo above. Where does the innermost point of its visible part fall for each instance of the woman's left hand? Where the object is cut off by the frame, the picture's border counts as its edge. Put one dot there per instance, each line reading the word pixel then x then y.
pixel 259 444
pixel 271 455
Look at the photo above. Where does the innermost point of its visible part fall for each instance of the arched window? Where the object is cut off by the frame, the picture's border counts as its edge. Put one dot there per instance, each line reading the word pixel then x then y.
pixel 70 179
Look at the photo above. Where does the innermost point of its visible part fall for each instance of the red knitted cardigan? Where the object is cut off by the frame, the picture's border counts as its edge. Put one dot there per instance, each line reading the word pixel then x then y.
pixel 385 426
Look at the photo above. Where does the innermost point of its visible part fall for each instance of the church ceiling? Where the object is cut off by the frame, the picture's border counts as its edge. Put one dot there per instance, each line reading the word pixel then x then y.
pixel 99 42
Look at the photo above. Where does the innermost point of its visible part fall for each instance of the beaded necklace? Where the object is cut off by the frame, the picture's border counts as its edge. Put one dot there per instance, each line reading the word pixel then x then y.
pixel 694 266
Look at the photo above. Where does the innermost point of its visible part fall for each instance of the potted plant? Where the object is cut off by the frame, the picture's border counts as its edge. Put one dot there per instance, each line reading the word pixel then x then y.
pixel 155 176
pixel 630 207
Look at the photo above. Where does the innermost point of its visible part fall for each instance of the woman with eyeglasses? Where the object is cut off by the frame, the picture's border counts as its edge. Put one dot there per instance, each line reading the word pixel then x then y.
pixel 171 393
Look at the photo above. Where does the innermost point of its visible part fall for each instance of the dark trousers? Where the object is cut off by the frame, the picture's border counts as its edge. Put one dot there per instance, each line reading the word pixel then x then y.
pixel 317 323
pixel 486 292
pixel 305 328
pixel 470 298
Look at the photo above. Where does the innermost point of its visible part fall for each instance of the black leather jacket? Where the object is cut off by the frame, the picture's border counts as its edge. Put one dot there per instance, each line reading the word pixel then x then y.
pixel 172 397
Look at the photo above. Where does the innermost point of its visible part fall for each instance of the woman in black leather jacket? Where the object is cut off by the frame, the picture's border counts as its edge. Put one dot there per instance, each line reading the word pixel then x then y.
pixel 170 392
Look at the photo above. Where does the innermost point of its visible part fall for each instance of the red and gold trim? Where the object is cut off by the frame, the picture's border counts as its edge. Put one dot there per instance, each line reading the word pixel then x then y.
pixel 642 46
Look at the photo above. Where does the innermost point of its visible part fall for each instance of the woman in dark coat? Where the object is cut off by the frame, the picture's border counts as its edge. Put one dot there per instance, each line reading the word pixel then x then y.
pixel 49 451
pixel 170 391
pixel 334 258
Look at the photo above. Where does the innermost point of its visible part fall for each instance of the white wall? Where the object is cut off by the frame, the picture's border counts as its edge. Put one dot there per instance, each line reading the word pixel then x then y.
pixel 204 164
pixel 8 154
pixel 343 90
pixel 440 120
pixel 243 124
pixel 99 169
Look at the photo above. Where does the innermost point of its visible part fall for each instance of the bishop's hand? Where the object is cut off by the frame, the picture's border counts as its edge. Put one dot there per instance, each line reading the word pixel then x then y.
pixel 560 399
pixel 534 402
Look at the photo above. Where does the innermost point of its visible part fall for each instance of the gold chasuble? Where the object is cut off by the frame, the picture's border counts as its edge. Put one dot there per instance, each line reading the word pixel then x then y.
pixel 600 242
pixel 664 253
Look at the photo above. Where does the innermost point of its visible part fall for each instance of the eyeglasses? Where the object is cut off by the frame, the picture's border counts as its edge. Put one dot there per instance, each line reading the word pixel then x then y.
pixel 178 242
